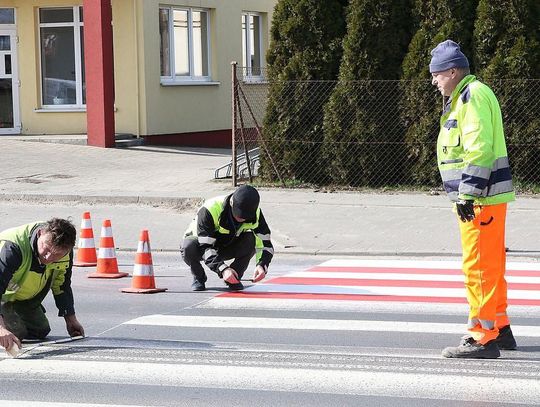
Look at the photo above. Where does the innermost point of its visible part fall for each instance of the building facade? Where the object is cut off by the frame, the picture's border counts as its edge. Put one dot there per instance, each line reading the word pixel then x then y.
pixel 172 66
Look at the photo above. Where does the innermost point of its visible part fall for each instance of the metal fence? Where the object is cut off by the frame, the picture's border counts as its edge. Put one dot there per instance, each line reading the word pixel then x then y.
pixel 362 134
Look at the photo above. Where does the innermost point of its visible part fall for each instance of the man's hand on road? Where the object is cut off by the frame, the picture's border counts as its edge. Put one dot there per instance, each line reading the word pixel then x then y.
pixel 7 339
pixel 73 326
pixel 260 273
pixel 230 276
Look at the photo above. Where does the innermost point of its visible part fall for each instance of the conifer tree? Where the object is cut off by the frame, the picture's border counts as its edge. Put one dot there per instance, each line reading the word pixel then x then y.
pixel 305 47
pixel 507 55
pixel 361 118
pixel 439 20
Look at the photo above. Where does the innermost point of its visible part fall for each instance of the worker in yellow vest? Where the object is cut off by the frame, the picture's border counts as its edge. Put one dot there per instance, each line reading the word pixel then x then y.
pixel 228 227
pixel 34 259
pixel 474 166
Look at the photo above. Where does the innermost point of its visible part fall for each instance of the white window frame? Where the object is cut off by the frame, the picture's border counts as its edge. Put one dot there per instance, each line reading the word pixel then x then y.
pixel 191 78
pixel 77 25
pixel 248 72
pixel 9 29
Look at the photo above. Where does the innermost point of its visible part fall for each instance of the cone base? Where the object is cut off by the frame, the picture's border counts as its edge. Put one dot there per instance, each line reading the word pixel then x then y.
pixel 107 275
pixel 84 264
pixel 143 290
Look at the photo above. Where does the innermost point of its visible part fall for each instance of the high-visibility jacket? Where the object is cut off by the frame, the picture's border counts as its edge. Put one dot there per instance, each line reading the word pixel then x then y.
pixel 215 228
pixel 471 150
pixel 22 277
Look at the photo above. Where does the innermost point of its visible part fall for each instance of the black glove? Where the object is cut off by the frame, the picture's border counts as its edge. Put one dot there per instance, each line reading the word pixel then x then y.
pixel 465 210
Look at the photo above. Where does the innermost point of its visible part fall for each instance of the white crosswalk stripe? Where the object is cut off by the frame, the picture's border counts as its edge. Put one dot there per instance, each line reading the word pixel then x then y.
pixel 314 324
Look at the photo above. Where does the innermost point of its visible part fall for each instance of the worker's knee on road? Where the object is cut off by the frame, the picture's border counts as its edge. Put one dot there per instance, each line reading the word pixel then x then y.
pixel 38 332
pixel 190 251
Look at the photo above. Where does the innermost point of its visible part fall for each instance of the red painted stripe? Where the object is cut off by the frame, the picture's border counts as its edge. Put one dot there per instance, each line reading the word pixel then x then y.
pixel 353 297
pixel 353 282
pixel 522 273
pixel 341 297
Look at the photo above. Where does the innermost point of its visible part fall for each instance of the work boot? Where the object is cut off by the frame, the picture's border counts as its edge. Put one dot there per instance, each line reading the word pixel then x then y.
pixel 506 340
pixel 198 286
pixel 236 287
pixel 470 349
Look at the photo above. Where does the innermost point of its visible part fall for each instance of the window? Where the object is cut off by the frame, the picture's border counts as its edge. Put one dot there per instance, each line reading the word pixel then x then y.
pixel 184 51
pixel 252 44
pixel 62 57
pixel 7 16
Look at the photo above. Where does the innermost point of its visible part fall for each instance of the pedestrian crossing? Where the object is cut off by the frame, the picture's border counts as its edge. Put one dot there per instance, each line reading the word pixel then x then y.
pixel 389 280
pixel 219 356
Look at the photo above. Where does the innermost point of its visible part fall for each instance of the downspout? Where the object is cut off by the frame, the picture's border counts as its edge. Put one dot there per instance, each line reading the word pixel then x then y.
pixel 137 86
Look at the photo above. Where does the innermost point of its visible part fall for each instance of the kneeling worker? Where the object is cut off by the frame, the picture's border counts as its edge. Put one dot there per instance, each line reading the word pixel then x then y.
pixel 228 227
pixel 34 259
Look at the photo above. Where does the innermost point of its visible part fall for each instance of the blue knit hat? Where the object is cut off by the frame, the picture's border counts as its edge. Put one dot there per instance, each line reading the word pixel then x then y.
pixel 447 55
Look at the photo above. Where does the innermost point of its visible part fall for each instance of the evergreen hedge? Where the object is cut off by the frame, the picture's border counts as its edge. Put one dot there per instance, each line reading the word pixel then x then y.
pixel 348 141
pixel 507 46
pixel 361 126
pixel 421 105
pixel 306 37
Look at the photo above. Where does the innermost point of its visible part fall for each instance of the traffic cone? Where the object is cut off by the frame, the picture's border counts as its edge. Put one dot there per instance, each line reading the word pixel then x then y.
pixel 107 266
pixel 86 250
pixel 143 270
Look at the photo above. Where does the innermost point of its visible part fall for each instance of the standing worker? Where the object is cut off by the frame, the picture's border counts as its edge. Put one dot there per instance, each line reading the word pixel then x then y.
pixel 35 258
pixel 474 166
pixel 228 227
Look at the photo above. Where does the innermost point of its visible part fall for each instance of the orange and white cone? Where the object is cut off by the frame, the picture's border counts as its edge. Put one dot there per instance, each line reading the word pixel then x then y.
pixel 86 249
pixel 143 270
pixel 107 265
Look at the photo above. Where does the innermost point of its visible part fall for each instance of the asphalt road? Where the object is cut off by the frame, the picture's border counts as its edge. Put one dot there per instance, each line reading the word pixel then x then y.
pixel 180 348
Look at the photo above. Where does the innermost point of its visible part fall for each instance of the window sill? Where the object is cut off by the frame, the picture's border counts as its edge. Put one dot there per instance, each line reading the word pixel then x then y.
pixel 64 110
pixel 61 110
pixel 190 83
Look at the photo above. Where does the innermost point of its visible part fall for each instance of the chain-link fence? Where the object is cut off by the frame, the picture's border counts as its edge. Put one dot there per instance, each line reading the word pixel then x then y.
pixel 363 134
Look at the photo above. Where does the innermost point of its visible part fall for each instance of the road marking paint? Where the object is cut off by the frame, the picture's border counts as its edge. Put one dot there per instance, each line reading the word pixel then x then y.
pixel 419 264
pixel 394 274
pixel 313 324
pixel 381 290
pixel 406 282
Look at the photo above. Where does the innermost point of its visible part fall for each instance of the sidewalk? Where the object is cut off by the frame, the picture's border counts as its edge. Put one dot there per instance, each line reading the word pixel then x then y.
pixel 302 221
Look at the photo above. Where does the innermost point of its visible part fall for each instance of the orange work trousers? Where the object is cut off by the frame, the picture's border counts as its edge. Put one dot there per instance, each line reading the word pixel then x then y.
pixel 484 266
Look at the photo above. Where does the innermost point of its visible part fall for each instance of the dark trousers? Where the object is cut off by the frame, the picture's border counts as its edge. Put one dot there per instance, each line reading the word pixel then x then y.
pixel 26 319
pixel 242 249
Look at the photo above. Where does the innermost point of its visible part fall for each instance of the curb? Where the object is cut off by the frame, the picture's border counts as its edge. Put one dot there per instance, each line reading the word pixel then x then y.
pixel 181 203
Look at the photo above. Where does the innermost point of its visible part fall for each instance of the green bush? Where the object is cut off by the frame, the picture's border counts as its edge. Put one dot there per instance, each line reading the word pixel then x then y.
pixel 507 46
pixel 361 127
pixel 306 37
pixel 421 105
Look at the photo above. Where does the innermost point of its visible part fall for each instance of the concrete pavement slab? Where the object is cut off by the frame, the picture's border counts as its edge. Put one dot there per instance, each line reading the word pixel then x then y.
pixel 172 181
